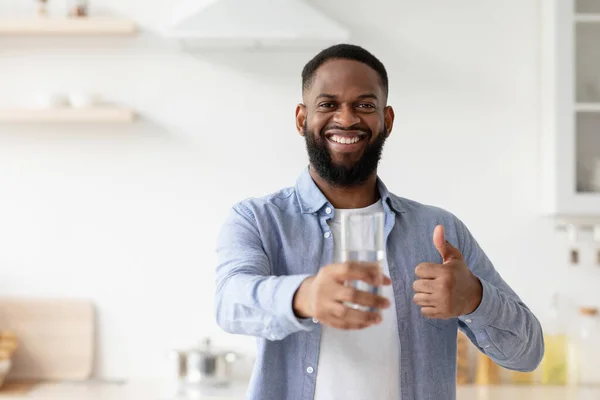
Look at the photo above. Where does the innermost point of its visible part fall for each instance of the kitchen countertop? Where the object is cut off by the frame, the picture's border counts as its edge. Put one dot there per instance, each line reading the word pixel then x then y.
pixel 134 390
pixel 147 390
pixel 509 392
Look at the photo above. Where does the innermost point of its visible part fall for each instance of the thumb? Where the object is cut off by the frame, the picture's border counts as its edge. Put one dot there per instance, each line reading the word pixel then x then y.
pixel 447 251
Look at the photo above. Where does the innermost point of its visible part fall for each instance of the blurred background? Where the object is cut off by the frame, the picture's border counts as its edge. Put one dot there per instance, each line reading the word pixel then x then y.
pixel 129 128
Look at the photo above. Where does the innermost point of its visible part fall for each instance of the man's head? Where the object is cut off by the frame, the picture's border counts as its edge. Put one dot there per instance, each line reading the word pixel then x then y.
pixel 344 116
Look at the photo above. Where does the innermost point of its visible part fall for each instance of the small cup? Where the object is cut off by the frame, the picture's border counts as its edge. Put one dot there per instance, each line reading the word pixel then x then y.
pixel 52 100
pixel 82 100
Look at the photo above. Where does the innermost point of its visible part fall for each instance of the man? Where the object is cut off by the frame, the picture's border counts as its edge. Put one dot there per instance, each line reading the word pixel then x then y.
pixel 279 277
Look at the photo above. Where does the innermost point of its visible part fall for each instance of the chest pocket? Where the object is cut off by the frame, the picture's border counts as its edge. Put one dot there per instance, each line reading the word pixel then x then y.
pixel 297 249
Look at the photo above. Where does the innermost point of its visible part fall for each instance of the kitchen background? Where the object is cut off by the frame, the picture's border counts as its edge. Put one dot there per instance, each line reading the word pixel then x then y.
pixel 127 214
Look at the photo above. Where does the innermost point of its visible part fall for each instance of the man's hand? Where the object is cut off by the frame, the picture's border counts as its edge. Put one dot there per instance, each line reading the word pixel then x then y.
pixel 446 290
pixel 323 296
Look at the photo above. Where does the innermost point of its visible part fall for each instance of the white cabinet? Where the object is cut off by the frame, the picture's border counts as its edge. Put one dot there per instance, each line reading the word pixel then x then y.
pixel 570 83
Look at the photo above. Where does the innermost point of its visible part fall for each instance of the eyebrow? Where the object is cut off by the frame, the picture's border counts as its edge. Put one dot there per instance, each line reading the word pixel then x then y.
pixel 368 96
pixel 332 96
pixel 325 96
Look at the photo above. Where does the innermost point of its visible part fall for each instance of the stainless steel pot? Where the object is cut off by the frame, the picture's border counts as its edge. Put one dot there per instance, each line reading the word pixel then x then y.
pixel 204 365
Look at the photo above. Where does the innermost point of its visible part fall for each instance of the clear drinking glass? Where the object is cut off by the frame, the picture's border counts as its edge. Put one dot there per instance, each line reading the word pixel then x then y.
pixel 362 239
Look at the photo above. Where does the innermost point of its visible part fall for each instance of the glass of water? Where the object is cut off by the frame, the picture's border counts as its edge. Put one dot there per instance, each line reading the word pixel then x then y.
pixel 362 239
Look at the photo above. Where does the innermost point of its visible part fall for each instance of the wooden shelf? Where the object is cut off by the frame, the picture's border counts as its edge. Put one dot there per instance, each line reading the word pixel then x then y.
pixel 587 107
pixel 587 17
pixel 67 26
pixel 68 115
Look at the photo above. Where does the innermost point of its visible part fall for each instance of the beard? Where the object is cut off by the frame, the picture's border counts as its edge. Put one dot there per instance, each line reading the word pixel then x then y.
pixel 341 175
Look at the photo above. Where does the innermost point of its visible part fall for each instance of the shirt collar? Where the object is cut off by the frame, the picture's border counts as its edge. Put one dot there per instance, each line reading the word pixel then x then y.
pixel 311 198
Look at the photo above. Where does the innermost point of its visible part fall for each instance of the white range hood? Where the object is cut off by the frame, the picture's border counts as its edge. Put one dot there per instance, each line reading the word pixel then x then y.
pixel 226 23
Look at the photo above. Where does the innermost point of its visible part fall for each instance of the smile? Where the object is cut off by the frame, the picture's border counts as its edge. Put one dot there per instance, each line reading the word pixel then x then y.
pixel 346 139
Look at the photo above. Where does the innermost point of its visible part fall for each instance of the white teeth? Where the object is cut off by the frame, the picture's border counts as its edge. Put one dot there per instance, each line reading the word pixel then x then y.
pixel 344 140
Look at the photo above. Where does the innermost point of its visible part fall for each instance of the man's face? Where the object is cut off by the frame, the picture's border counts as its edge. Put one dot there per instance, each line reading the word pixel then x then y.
pixel 343 120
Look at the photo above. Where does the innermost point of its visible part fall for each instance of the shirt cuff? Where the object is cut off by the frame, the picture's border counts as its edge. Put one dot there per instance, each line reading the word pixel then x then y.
pixel 487 310
pixel 284 304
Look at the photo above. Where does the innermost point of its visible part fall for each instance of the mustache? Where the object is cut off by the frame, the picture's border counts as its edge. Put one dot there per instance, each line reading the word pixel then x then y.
pixel 354 128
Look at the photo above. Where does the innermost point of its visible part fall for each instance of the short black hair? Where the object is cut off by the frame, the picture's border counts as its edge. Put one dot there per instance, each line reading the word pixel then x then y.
pixel 345 52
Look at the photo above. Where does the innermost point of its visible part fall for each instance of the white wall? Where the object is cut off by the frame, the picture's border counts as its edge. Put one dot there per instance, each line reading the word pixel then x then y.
pixel 128 216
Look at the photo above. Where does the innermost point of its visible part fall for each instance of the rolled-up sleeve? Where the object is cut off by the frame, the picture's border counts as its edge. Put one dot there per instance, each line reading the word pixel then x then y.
pixel 249 300
pixel 502 326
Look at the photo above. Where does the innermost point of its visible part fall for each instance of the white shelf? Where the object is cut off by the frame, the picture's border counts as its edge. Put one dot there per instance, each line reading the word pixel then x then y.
pixel 587 18
pixel 67 26
pixel 68 115
pixel 582 222
pixel 587 107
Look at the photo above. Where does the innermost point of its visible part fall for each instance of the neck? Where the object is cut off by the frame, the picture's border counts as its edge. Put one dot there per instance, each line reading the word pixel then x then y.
pixel 359 196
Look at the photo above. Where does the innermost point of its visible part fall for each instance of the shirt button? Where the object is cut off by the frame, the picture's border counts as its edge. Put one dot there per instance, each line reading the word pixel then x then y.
pixel 310 370
pixel 328 210
pixel 327 235
pixel 468 321
pixel 316 321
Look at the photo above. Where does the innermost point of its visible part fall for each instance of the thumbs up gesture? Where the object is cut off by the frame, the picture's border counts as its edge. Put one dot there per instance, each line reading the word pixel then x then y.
pixel 446 290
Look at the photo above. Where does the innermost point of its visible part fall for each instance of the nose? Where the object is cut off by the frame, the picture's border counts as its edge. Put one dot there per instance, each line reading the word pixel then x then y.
pixel 346 116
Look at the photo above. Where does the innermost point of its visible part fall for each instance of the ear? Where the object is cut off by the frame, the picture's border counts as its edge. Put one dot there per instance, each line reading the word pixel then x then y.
pixel 388 118
pixel 300 118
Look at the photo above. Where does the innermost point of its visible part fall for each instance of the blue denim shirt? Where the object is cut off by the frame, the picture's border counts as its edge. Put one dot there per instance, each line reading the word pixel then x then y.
pixel 268 246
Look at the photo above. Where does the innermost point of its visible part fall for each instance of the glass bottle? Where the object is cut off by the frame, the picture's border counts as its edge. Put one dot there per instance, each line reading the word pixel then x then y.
pixel 584 349
pixel 78 8
pixel 522 378
pixel 554 363
pixel 488 372
pixel 462 359
pixel 42 7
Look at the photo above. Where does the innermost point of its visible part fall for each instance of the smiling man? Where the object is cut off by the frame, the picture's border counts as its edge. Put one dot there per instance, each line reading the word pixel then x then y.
pixel 280 278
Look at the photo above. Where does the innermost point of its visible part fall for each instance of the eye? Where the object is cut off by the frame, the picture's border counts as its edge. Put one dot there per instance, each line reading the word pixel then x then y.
pixel 326 105
pixel 366 105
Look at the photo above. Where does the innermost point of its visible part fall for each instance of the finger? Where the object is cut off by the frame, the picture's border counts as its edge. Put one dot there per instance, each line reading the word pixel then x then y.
pixel 366 272
pixel 446 250
pixel 428 270
pixel 354 296
pixel 424 286
pixel 355 317
pixel 424 299
pixel 430 312
pixel 386 281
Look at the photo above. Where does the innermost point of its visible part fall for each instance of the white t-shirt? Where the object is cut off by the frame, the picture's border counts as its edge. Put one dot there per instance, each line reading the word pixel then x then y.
pixel 360 364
